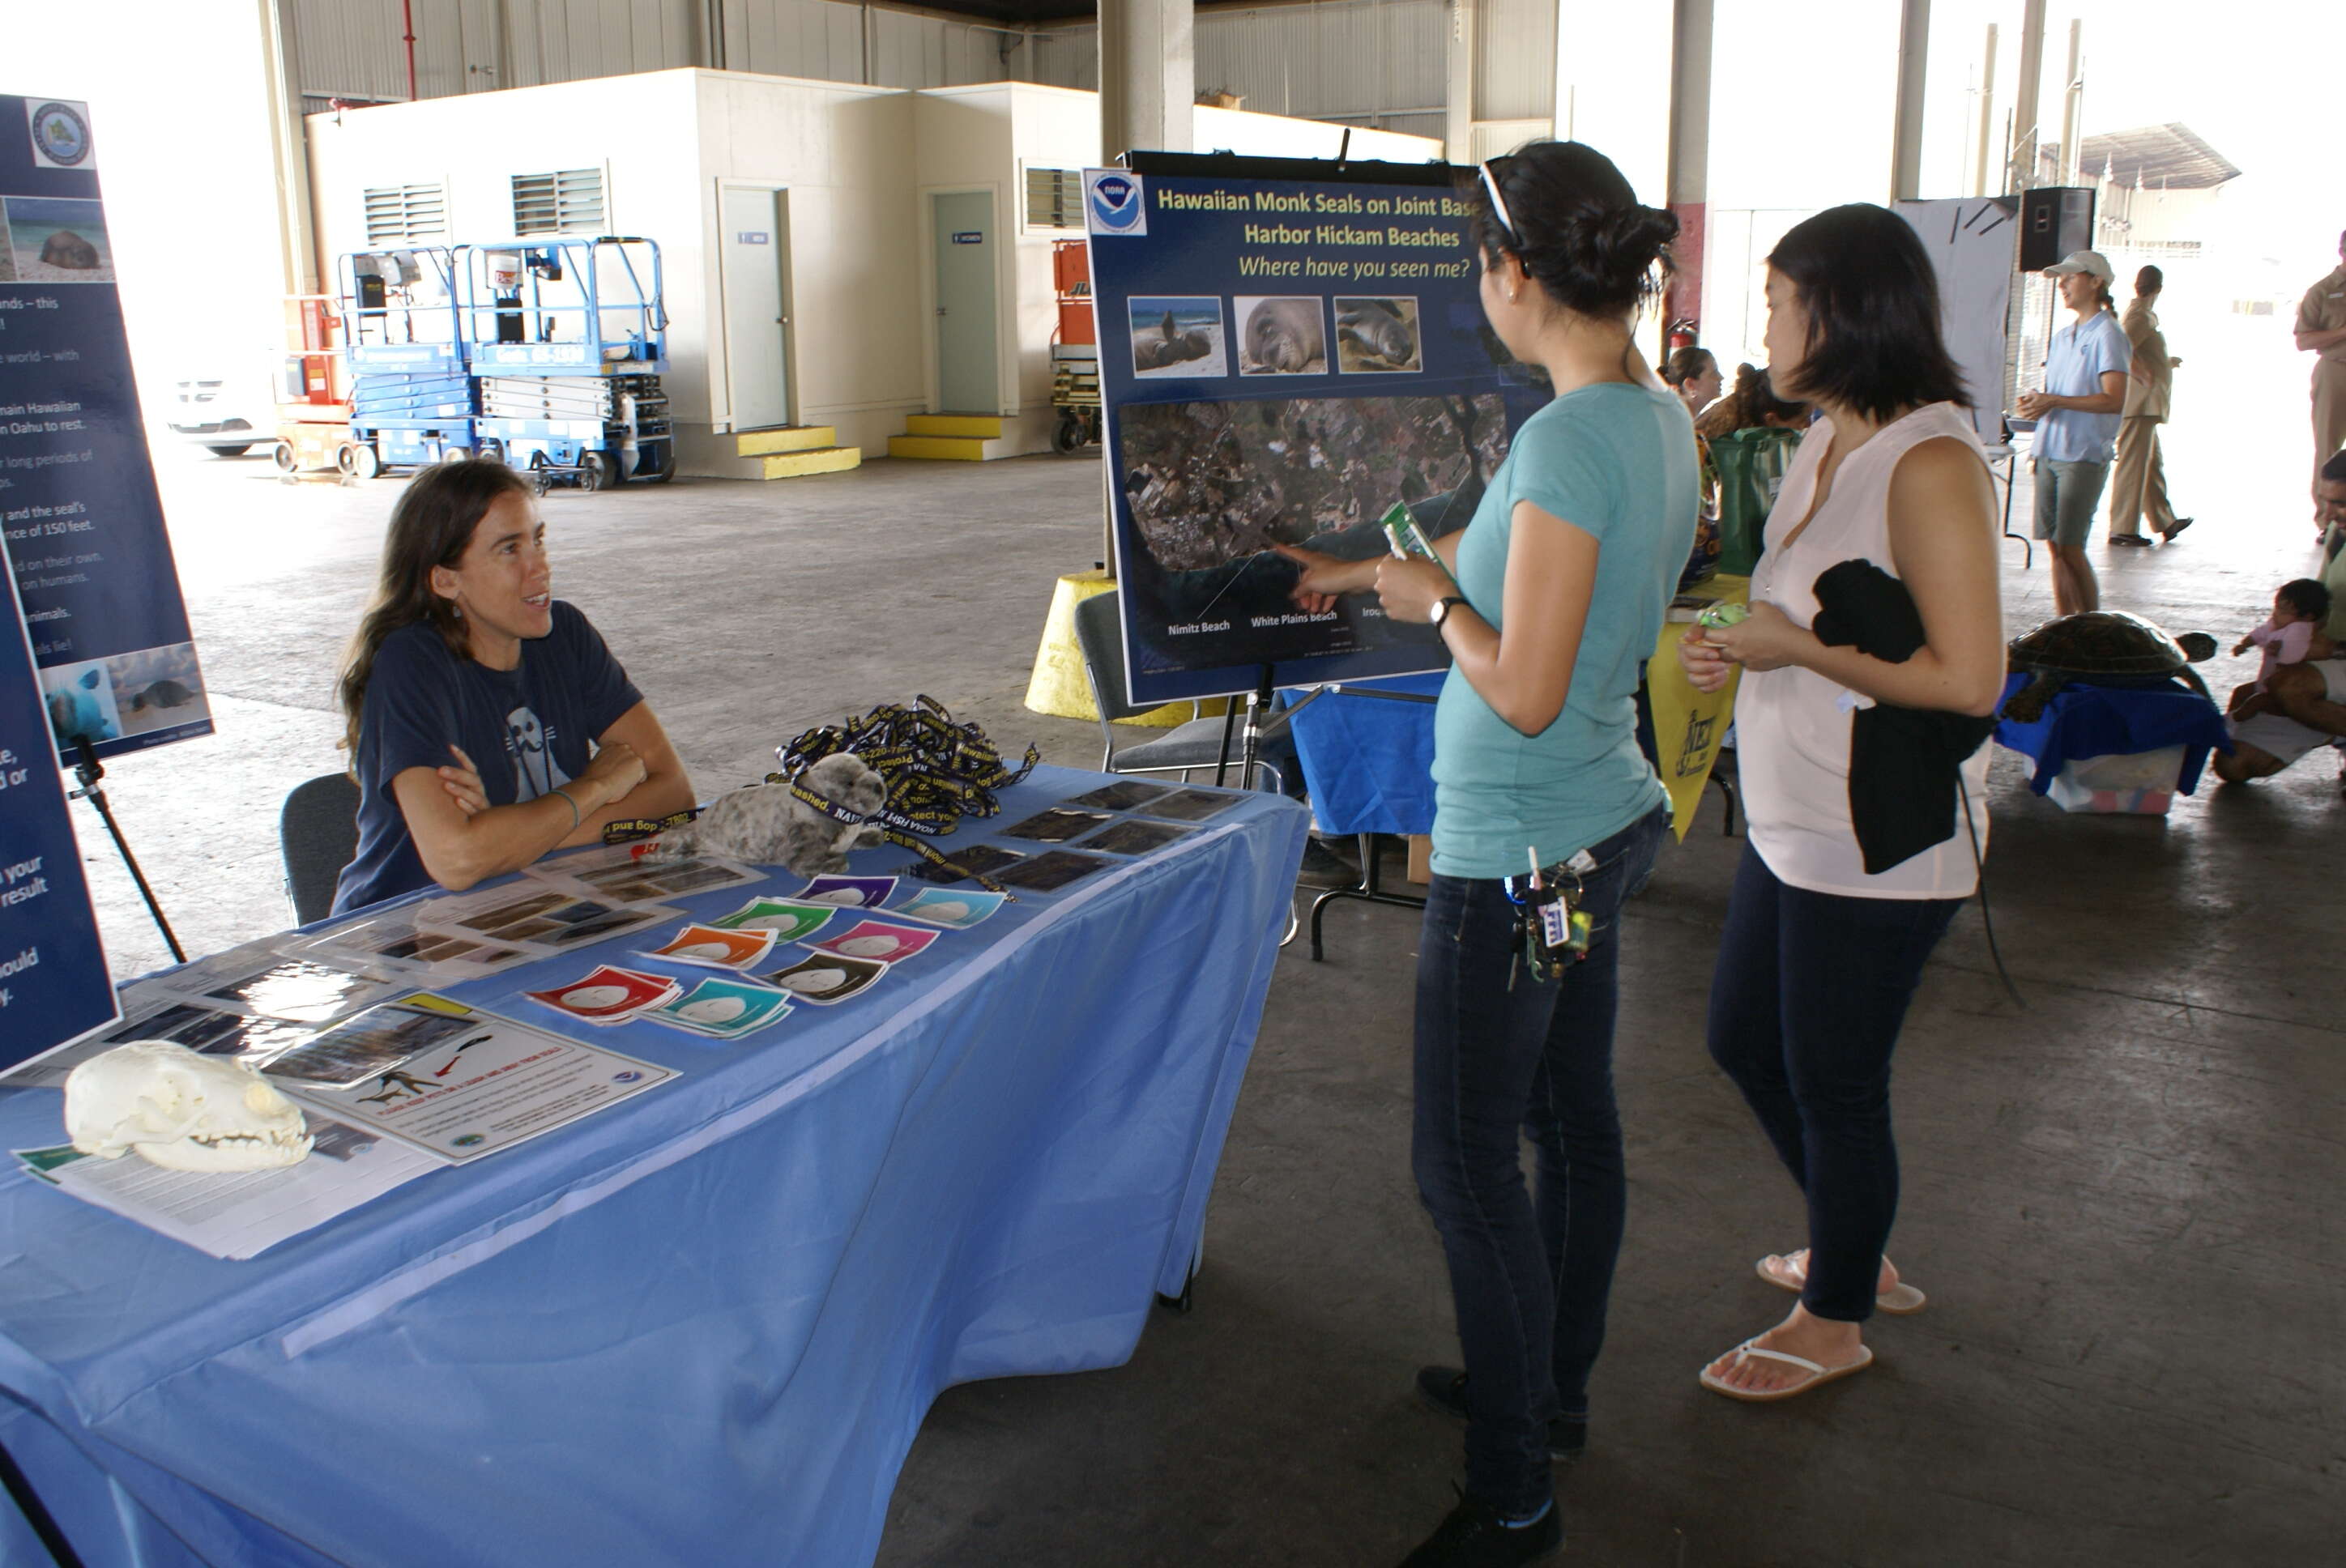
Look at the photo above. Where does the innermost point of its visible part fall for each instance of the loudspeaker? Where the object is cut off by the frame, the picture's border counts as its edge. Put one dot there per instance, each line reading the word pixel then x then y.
pixel 2055 219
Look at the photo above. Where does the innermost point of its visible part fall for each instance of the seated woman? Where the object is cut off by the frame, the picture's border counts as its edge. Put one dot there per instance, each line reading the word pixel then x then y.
pixel 1751 404
pixel 472 697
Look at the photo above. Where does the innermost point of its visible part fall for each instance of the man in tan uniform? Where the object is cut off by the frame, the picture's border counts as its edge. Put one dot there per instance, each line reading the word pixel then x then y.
pixel 2321 331
pixel 2138 486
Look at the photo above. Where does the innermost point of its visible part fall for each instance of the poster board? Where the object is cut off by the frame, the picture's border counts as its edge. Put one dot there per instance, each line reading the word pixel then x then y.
pixel 1288 348
pixel 54 982
pixel 1973 243
pixel 78 508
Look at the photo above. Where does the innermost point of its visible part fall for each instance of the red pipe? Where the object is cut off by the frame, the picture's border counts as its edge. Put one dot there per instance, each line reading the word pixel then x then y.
pixel 407 17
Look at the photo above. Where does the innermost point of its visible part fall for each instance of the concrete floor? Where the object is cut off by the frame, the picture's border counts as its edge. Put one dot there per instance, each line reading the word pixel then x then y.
pixel 2120 1199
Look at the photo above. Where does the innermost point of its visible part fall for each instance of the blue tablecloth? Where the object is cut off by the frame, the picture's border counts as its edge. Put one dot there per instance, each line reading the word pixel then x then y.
pixel 1369 760
pixel 702 1327
pixel 2085 721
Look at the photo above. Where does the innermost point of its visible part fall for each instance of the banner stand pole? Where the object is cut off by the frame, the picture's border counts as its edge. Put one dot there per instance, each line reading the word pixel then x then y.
pixel 1256 726
pixel 89 770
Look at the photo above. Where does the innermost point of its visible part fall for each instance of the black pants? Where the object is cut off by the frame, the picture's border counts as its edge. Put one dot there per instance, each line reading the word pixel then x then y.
pixel 1806 1003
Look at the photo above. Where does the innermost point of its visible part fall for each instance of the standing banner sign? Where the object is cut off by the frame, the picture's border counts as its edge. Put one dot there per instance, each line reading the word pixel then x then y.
pixel 53 984
pixel 1291 351
pixel 78 507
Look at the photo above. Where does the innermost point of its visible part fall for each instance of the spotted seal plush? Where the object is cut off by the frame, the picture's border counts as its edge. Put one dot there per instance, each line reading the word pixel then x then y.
pixel 766 825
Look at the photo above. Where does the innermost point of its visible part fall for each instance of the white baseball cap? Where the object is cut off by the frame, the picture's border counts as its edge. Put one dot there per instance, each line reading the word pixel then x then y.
pixel 2092 261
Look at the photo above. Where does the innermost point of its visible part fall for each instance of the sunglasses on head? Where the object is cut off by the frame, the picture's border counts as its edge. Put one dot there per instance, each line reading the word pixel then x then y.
pixel 1498 202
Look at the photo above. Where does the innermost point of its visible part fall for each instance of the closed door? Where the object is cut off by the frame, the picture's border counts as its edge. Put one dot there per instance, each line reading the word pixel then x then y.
pixel 757 318
pixel 966 379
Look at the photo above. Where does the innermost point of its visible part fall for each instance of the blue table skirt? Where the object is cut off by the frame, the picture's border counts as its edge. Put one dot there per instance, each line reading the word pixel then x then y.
pixel 2084 720
pixel 1369 760
pixel 701 1328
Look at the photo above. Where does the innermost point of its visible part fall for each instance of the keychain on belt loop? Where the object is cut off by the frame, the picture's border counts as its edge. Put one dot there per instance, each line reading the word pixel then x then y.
pixel 1553 927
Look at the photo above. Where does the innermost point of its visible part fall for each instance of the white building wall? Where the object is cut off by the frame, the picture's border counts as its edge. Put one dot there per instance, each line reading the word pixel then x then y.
pixel 859 164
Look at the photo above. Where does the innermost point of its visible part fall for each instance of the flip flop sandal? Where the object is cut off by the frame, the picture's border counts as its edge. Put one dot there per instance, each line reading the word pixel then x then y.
pixel 1816 1374
pixel 1900 1300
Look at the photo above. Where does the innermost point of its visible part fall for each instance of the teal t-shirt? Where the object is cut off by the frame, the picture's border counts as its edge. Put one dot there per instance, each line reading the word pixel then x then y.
pixel 1618 463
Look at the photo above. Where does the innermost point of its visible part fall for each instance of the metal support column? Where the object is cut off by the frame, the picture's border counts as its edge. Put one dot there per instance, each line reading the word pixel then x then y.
pixel 1914 60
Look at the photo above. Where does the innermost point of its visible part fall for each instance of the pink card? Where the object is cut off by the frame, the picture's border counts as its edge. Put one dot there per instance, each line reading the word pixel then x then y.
pixel 878 940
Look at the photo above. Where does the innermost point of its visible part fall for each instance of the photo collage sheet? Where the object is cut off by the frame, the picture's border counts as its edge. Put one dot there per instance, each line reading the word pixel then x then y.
pixel 1287 362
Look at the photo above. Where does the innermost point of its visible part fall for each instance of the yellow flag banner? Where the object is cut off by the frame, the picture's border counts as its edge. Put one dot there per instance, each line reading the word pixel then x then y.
pixel 1688 724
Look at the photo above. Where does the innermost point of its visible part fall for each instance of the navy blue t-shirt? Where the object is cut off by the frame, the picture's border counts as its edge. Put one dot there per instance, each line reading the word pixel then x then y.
pixel 527 730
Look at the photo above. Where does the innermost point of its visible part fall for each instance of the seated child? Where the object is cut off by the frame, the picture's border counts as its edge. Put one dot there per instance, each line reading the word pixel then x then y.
pixel 2293 636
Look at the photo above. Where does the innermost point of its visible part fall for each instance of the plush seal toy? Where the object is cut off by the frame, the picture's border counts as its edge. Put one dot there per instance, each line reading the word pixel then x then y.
pixel 766 825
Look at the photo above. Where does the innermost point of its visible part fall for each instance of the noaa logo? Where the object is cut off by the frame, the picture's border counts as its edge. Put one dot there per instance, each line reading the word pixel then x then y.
pixel 1115 201
pixel 60 136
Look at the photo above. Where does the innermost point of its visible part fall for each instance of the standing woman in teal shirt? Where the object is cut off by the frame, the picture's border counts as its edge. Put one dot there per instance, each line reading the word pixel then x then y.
pixel 1561 582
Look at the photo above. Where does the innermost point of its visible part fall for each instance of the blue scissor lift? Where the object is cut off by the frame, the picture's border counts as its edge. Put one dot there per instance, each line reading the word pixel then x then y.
pixel 566 340
pixel 412 401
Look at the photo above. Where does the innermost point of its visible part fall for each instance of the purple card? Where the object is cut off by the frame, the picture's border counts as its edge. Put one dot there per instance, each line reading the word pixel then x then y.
pixel 849 892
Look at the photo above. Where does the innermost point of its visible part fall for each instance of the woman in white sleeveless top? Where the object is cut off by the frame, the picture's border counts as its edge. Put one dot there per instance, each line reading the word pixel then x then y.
pixel 1820 954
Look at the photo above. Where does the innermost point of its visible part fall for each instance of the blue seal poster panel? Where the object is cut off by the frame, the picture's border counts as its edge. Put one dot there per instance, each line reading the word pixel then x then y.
pixel 1287 351
pixel 53 985
pixel 78 508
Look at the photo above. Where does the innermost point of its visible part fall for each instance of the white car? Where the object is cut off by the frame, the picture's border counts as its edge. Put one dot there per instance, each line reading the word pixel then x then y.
pixel 226 415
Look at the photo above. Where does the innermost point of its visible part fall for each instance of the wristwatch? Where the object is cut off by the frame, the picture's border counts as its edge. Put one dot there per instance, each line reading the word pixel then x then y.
pixel 1442 610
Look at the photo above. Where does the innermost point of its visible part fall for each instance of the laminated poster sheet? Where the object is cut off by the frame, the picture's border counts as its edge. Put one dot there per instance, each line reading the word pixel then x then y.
pixel 485 1085
pixel 1288 354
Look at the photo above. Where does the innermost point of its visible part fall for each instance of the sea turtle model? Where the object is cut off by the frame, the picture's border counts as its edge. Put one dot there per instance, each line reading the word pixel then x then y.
pixel 2103 648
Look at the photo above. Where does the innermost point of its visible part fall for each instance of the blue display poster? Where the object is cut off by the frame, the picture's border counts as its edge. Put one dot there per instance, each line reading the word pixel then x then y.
pixel 78 508
pixel 53 984
pixel 1289 350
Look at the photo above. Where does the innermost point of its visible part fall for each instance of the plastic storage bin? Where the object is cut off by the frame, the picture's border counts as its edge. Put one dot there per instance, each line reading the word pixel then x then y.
pixel 2138 783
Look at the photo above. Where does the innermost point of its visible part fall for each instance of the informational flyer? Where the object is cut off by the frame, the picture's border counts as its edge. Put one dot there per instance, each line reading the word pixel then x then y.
pixel 238 1214
pixel 78 507
pixel 483 1087
pixel 54 983
pixel 1290 351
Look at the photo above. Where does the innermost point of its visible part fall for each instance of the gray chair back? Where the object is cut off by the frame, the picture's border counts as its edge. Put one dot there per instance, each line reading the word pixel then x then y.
pixel 318 834
pixel 1099 633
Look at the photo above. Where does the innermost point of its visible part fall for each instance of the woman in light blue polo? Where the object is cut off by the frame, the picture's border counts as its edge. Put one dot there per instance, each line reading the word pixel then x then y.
pixel 1562 580
pixel 2077 416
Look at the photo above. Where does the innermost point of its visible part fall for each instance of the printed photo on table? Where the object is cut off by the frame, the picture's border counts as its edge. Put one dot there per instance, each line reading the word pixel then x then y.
pixel 789 921
pixel 848 893
pixel 878 941
pixel 1178 336
pixel 826 978
pixel 955 908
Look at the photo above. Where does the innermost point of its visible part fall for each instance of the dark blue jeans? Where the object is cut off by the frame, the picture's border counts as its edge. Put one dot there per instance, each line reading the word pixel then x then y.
pixel 1806 1003
pixel 1529 1271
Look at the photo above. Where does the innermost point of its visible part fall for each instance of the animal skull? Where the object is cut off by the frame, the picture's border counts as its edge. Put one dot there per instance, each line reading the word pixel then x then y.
pixel 180 1110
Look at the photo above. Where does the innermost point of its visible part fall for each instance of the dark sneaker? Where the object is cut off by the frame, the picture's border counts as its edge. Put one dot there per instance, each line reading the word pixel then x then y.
pixel 2130 539
pixel 1443 1389
pixel 1474 1536
pixel 2167 535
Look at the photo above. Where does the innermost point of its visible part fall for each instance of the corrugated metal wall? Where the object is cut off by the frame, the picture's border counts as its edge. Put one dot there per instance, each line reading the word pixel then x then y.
pixel 1361 62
